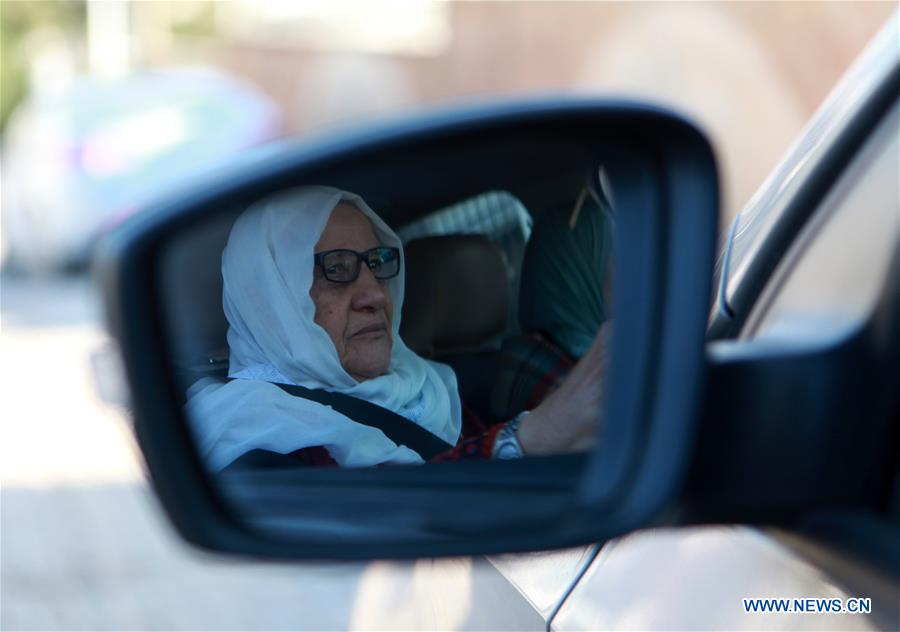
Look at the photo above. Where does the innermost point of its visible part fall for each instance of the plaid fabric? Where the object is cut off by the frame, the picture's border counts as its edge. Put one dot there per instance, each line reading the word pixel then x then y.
pixel 477 448
pixel 475 442
pixel 531 367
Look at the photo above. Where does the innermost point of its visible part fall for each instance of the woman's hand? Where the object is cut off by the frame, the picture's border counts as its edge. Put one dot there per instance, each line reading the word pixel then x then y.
pixel 569 419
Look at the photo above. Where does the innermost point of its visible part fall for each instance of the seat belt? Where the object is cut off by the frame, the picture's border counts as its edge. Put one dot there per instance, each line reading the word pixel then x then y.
pixel 396 427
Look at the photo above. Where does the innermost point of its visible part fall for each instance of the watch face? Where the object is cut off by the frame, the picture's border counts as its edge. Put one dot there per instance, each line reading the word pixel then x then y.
pixel 506 445
pixel 508 450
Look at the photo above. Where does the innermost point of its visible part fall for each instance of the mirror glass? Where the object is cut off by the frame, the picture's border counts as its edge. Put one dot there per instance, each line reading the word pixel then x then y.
pixel 398 310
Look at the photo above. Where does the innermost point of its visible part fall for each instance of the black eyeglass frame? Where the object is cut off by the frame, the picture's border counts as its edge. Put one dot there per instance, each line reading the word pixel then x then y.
pixel 367 257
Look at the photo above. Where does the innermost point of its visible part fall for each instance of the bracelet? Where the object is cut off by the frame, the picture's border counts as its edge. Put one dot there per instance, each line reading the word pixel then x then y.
pixel 506 444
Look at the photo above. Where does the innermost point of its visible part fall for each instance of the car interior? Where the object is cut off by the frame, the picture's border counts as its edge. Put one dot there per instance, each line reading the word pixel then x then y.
pixel 462 267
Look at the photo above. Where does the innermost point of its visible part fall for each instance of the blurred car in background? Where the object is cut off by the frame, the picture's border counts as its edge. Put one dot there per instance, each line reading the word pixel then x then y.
pixel 79 161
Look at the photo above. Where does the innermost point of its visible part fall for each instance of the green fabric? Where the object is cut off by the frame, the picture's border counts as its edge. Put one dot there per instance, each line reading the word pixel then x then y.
pixel 563 272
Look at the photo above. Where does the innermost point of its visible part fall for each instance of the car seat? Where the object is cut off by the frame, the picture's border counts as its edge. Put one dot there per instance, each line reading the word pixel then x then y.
pixel 456 307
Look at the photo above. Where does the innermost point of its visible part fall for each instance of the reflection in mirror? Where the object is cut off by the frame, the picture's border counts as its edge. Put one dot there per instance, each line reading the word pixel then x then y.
pixel 344 322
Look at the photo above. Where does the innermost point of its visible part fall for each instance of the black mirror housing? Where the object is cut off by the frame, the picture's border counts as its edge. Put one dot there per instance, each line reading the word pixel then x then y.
pixel 665 176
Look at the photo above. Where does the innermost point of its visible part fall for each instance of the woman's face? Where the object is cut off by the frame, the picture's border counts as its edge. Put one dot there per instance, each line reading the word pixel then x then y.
pixel 357 315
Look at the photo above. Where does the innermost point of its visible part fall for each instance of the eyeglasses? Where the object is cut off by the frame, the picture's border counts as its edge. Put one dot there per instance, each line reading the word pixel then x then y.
pixel 342 266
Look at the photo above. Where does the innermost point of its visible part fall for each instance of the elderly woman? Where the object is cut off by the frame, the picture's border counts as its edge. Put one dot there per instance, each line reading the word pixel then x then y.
pixel 313 284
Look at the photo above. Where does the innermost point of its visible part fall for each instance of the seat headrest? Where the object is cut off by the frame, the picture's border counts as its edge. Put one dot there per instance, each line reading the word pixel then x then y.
pixel 457 294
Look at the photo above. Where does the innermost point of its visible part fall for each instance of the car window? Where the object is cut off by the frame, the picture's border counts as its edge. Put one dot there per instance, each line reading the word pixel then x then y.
pixel 833 276
pixel 761 218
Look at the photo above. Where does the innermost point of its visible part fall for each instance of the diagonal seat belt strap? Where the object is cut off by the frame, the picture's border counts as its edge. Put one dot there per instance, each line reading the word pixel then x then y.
pixel 397 428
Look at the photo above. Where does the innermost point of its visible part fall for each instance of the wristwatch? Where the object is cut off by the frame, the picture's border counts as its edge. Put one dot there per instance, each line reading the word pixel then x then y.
pixel 506 444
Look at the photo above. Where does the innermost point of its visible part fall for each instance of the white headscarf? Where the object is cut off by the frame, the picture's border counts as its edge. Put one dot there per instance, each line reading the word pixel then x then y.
pixel 267 267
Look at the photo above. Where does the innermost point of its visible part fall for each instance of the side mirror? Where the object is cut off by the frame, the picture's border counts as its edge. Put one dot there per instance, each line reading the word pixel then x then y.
pixel 462 191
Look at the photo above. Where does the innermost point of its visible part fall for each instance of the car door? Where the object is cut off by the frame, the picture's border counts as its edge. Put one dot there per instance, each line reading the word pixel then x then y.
pixel 806 262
